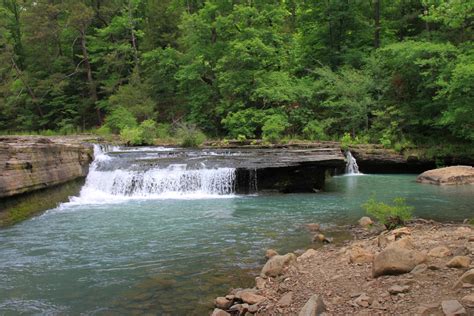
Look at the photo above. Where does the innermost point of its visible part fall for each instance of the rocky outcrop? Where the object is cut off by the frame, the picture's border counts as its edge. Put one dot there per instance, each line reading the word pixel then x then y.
pixel 31 163
pixel 448 176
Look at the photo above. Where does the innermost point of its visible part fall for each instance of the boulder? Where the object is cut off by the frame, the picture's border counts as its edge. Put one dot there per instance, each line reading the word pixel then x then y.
pixel 270 253
pixel 439 252
pixel 219 312
pixel 313 307
pixel 467 277
pixel 459 262
pixel 405 243
pixel 448 176
pixel 365 221
pixel 452 308
pixel 222 303
pixel 251 298
pixel 274 266
pixel 396 260
pixel 359 255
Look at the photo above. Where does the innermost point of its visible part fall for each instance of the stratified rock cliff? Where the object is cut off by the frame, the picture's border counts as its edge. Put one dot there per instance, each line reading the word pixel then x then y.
pixel 31 163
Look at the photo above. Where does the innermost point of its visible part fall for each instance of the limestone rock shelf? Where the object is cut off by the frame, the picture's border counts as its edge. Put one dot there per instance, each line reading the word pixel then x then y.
pixel 31 163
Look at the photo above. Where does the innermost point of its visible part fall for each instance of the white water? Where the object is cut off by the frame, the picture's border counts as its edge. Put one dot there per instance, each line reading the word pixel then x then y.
pixel 172 182
pixel 351 166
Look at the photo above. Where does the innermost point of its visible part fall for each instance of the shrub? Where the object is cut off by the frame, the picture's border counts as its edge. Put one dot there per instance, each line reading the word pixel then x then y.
pixel 132 135
pixel 163 131
pixel 346 141
pixel 189 135
pixel 245 122
pixel 314 130
pixel 274 127
pixel 391 216
pixel 119 119
pixel 149 130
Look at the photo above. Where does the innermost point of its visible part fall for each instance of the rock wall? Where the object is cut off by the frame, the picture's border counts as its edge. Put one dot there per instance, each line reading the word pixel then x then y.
pixel 32 163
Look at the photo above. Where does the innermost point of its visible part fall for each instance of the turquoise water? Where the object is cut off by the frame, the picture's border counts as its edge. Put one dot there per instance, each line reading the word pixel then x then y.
pixel 173 256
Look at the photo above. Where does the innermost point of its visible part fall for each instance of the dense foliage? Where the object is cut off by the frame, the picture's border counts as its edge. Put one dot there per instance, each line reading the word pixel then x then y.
pixel 391 215
pixel 396 72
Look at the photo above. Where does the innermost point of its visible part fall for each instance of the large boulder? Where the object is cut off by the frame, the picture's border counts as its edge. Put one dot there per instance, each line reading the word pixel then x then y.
pixel 274 266
pixel 396 260
pixel 313 307
pixel 448 176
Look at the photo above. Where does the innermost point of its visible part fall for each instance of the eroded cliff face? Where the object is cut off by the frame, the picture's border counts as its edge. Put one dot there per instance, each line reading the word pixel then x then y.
pixel 31 163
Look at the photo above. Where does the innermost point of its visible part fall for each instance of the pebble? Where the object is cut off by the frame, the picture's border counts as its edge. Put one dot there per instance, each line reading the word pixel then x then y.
pixel 397 289
pixel 452 307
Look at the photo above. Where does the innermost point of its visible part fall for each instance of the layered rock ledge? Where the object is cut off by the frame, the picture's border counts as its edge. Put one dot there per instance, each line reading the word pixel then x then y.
pixel 31 163
pixel 448 176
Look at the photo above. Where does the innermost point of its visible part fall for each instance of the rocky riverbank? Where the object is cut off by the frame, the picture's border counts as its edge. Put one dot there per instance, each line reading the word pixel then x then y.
pixel 424 268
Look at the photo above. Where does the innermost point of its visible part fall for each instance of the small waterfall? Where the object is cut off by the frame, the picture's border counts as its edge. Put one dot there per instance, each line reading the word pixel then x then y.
pixel 351 165
pixel 106 184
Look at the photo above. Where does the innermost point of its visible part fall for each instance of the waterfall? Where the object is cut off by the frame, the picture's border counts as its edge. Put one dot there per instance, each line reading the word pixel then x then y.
pixel 351 165
pixel 107 183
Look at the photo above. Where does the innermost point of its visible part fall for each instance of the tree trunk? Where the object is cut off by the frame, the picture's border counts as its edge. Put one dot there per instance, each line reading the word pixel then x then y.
pixel 90 79
pixel 377 24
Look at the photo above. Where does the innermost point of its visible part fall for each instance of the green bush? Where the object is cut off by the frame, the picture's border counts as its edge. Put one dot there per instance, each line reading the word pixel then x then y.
pixel 391 216
pixel 149 130
pixel 245 122
pixel 346 141
pixel 314 130
pixel 274 127
pixel 163 131
pixel 119 119
pixel 189 135
pixel 132 136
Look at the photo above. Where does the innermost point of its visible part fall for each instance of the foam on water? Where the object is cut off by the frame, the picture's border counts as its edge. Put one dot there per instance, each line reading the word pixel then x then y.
pixel 173 182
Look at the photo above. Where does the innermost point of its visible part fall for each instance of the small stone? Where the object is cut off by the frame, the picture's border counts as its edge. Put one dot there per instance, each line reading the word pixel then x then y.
pixel 219 312
pixel 313 307
pixel 363 300
pixel 307 254
pixel 419 269
pixel 360 255
pixel 319 237
pixel 452 307
pixel 251 298
pixel 222 303
pixel 463 231
pixel 253 308
pixel 313 227
pixel 286 299
pixel 471 239
pixel 274 267
pixel 365 221
pixel 260 283
pixel 459 262
pixel 433 267
pixel 230 297
pixel 383 240
pixel 401 231
pixel 467 277
pixel 427 310
pixel 397 289
pixel 439 252
pixel 468 300
pixel 240 308
pixel 270 253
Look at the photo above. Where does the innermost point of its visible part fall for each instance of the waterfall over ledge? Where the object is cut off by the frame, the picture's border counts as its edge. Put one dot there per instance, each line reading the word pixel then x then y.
pixel 351 166
pixel 108 181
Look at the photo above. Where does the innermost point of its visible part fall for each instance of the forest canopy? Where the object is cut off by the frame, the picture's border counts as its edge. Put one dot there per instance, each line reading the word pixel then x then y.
pixel 390 72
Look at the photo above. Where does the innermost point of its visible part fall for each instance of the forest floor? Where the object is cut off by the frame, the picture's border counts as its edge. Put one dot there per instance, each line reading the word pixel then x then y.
pixel 343 276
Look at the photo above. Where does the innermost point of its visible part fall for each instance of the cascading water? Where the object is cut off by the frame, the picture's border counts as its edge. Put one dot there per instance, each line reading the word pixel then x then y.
pixel 105 183
pixel 351 165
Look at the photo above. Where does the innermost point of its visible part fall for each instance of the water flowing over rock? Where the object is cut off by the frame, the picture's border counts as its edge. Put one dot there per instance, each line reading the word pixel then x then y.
pixel 351 166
